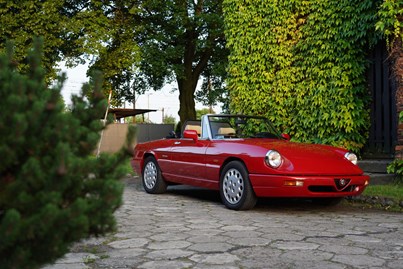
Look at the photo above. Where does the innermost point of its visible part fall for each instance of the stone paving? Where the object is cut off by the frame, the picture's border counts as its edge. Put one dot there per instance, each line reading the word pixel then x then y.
pixel 190 228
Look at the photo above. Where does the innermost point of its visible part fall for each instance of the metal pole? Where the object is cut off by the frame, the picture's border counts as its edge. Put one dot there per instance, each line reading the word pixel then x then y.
pixel 104 122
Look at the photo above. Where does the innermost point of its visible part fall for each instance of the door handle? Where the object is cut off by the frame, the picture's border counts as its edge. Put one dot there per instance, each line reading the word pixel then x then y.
pixel 177 143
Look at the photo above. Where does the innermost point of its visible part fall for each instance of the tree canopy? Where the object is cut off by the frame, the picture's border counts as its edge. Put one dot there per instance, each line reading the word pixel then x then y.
pixel 137 44
pixel 182 41
pixel 22 21
pixel 390 25
pixel 119 54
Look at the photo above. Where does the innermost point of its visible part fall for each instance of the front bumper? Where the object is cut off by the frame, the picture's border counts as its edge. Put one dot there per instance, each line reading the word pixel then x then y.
pixel 308 186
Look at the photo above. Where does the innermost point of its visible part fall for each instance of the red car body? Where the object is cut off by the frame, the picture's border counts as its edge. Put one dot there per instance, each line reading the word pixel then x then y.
pixel 306 170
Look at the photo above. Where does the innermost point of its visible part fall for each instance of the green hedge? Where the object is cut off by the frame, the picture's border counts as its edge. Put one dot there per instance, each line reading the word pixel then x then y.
pixel 302 64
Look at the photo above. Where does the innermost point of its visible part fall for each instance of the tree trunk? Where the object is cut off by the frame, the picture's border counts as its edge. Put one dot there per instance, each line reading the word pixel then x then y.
pixel 187 81
pixel 187 88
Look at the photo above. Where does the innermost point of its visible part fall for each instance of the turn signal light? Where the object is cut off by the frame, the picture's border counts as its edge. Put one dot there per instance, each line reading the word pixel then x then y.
pixel 296 183
pixel 366 183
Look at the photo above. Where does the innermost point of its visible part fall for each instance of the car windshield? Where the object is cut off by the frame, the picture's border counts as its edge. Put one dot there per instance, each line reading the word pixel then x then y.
pixel 236 126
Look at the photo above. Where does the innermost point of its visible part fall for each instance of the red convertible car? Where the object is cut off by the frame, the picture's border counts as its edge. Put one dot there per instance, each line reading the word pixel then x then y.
pixel 244 157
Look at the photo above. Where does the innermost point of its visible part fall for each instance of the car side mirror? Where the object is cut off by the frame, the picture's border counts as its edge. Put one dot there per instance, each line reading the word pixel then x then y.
pixel 286 137
pixel 191 134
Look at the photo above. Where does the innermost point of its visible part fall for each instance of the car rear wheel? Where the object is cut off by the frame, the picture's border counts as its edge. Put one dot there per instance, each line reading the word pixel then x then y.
pixel 152 178
pixel 235 189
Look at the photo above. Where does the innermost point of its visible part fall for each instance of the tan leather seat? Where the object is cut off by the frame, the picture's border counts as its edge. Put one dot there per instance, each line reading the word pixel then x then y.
pixel 226 131
pixel 196 128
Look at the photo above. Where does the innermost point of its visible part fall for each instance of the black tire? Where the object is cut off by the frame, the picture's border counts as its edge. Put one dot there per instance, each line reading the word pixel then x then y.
pixel 235 189
pixel 327 201
pixel 152 178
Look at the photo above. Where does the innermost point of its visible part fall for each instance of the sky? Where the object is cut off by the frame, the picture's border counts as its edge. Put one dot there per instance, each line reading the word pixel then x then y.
pixel 166 99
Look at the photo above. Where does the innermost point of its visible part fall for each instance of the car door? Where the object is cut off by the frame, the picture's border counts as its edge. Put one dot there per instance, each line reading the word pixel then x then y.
pixel 161 149
pixel 188 161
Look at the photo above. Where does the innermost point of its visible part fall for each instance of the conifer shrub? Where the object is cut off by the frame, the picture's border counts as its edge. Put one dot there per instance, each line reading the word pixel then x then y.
pixel 53 191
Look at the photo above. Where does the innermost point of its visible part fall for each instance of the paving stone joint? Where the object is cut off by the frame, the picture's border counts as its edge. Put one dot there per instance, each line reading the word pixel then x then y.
pixel 189 227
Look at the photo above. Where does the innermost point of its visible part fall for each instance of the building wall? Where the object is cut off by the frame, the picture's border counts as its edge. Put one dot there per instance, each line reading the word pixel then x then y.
pixel 114 136
pixel 397 69
pixel 148 132
pixel 399 106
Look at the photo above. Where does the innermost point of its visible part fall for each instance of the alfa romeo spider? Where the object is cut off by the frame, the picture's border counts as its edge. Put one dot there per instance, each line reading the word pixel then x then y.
pixel 244 158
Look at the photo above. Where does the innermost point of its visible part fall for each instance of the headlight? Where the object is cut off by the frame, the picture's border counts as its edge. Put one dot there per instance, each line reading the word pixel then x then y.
pixel 273 158
pixel 351 157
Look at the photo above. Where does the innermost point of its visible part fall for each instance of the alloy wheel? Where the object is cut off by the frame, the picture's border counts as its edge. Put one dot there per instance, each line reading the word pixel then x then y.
pixel 150 175
pixel 233 186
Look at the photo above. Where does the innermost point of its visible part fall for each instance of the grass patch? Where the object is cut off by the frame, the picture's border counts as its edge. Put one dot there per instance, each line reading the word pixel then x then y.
pixel 91 249
pixel 88 260
pixel 112 238
pixel 388 191
pixel 385 197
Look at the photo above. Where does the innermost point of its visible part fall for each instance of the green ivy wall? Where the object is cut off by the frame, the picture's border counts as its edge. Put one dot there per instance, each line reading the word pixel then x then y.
pixel 302 64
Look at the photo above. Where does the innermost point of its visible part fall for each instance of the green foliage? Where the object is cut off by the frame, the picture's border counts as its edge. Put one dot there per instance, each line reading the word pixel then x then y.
pixel 169 119
pixel 75 30
pixel 141 119
pixel 390 21
pixel 21 21
pixel 390 191
pixel 390 25
pixel 302 64
pixel 203 111
pixel 52 191
pixel 182 41
pixel 119 53
pixel 396 167
pixel 137 45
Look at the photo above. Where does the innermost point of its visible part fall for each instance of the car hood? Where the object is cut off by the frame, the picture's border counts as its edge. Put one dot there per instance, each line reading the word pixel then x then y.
pixel 308 159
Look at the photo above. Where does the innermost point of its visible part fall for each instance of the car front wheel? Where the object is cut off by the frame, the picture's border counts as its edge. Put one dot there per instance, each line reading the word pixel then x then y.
pixel 235 188
pixel 152 178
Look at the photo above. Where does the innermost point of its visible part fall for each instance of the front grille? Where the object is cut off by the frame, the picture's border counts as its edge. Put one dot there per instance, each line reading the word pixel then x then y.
pixel 330 189
pixel 341 183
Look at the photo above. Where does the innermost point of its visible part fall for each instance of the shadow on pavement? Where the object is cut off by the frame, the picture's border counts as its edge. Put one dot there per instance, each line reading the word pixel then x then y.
pixel 263 204
pixel 271 204
pixel 195 192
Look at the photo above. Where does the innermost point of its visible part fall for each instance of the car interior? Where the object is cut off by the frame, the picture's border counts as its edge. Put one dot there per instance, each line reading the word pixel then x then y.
pixel 192 125
pixel 196 128
pixel 222 130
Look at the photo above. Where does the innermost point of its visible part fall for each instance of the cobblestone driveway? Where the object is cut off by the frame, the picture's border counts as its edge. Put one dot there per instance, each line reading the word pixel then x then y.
pixel 190 228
